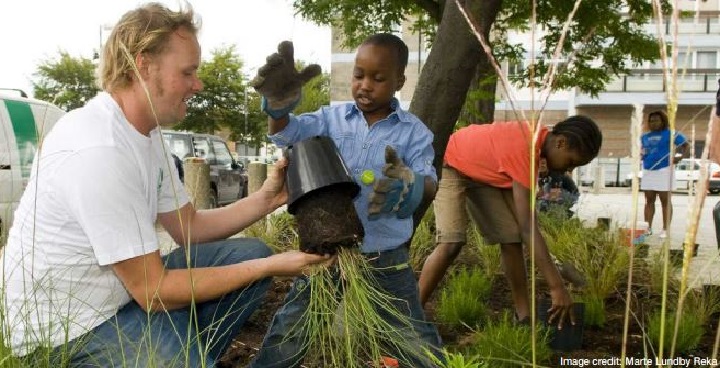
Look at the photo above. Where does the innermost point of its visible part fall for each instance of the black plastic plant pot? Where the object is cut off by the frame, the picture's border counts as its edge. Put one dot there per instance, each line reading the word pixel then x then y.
pixel 321 192
pixel 569 338
pixel 313 164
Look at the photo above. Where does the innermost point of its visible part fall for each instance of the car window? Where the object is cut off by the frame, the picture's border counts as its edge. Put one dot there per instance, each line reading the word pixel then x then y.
pixel 178 145
pixel 222 153
pixel 202 149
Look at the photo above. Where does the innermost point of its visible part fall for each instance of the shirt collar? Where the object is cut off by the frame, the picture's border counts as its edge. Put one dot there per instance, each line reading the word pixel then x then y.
pixel 397 114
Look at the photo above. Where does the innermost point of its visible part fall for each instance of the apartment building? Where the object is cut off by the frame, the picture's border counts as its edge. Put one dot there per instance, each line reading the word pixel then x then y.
pixel 698 46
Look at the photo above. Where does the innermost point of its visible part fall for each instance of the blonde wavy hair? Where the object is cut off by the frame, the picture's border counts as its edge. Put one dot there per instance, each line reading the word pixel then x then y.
pixel 145 30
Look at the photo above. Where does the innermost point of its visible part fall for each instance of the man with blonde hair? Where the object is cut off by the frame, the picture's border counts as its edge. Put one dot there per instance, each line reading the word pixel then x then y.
pixel 84 282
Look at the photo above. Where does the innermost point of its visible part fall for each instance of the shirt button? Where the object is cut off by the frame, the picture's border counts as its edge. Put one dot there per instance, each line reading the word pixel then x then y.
pixel 365 146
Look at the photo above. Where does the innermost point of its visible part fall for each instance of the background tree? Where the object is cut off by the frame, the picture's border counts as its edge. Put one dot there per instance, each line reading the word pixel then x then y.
pixel 606 30
pixel 68 82
pixel 221 102
pixel 315 93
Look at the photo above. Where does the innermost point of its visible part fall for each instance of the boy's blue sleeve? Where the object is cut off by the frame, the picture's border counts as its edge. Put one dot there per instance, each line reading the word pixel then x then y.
pixel 420 152
pixel 301 127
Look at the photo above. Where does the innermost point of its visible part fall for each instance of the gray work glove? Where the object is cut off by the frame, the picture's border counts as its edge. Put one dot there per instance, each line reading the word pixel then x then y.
pixel 399 192
pixel 279 83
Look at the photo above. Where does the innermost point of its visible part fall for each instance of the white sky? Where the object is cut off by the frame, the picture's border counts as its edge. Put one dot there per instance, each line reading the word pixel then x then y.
pixel 34 30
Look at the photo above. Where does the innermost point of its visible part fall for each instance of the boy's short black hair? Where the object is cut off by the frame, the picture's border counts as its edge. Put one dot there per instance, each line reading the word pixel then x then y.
pixel 582 134
pixel 392 42
pixel 663 118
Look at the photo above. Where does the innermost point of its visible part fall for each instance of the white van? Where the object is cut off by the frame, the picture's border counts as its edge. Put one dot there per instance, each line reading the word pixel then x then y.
pixel 24 122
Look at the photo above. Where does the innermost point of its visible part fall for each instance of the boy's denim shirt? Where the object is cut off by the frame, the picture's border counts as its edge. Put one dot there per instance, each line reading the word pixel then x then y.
pixel 363 148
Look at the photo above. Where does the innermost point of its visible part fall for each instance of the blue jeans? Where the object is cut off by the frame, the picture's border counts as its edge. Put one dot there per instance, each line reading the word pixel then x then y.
pixel 194 336
pixel 285 345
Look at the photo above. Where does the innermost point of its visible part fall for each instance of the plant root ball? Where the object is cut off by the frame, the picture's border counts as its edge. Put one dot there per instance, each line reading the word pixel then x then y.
pixel 326 219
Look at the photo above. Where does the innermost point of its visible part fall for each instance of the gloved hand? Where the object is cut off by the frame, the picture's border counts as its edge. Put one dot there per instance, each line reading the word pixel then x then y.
pixel 400 191
pixel 279 83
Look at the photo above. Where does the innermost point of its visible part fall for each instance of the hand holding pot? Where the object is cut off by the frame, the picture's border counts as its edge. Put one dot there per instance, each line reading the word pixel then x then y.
pixel 274 189
pixel 279 83
pixel 399 192
pixel 561 307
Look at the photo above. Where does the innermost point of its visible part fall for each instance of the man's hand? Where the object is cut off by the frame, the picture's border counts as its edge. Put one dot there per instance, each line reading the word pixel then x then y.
pixel 400 191
pixel 274 189
pixel 296 263
pixel 279 83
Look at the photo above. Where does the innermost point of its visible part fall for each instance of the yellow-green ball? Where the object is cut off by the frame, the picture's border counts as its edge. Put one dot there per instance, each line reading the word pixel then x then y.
pixel 367 177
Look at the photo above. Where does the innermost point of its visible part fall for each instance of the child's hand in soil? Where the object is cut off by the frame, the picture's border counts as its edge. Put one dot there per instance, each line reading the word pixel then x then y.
pixel 399 192
pixel 296 263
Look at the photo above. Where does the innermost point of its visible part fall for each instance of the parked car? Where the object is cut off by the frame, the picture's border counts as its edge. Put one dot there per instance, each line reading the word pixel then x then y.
pixel 228 178
pixel 687 174
pixel 24 122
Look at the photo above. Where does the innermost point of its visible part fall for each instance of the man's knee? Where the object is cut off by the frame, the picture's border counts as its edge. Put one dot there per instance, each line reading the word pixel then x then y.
pixel 243 249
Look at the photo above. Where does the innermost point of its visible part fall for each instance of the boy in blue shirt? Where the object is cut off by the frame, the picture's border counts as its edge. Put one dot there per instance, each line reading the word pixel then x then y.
pixel 374 135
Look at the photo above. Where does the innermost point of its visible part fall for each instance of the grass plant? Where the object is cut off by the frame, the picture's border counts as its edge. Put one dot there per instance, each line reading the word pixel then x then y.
pixel 458 360
pixel 463 299
pixel 687 338
pixel 504 344
pixel 361 334
pixel 423 241
pixel 489 255
pixel 279 232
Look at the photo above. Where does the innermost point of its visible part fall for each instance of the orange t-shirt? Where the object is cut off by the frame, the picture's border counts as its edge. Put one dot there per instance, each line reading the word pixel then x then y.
pixel 495 154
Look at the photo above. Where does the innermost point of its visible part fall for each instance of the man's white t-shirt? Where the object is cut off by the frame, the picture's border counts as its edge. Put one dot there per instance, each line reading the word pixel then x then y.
pixel 96 188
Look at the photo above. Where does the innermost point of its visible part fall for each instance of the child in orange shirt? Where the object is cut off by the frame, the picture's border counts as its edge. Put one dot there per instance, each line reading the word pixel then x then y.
pixel 488 167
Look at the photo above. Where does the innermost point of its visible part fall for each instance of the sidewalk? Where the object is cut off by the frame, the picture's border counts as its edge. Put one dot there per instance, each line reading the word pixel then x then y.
pixel 617 203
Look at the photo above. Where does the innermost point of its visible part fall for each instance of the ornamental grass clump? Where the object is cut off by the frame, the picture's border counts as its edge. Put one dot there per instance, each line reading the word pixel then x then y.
pixel 458 360
pixel 423 241
pixel 690 331
pixel 343 320
pixel 505 344
pixel 463 299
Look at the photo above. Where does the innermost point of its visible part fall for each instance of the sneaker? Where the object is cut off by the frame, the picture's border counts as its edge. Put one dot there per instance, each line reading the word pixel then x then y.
pixel 662 234
pixel 649 232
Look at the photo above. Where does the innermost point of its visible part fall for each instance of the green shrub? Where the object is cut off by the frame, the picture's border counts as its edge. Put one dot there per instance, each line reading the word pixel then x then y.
pixel 503 344
pixel 462 300
pixel 690 330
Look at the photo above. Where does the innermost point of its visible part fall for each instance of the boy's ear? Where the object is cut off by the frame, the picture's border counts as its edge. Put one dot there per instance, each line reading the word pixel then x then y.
pixel 401 82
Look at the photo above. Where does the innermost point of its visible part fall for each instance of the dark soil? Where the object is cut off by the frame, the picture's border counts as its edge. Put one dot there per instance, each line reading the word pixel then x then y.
pixel 604 342
pixel 326 219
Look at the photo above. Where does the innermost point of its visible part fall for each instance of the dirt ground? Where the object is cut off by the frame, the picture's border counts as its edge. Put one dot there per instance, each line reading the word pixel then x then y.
pixel 605 342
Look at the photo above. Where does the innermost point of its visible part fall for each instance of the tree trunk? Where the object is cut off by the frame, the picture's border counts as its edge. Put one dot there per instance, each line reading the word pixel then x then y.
pixel 450 67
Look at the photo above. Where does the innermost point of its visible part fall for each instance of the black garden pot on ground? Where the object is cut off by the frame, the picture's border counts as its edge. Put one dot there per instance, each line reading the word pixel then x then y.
pixel 321 192
pixel 570 337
